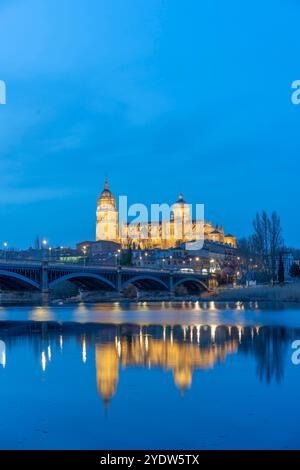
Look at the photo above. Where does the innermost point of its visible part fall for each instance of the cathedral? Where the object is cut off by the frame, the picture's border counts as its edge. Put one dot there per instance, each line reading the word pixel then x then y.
pixel 149 235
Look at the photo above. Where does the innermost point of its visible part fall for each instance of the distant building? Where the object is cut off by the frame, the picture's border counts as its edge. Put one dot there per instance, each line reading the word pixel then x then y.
pixel 107 227
pixel 151 235
pixel 93 248
pixel 287 259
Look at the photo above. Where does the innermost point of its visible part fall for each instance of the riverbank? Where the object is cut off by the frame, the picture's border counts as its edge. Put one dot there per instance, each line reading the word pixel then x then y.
pixel 281 294
pixel 284 293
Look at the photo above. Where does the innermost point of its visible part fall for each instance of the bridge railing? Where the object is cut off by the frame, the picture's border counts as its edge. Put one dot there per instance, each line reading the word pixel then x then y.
pixel 88 264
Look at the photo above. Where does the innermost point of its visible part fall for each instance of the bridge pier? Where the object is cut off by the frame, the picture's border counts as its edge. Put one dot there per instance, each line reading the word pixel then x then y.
pixel 119 281
pixel 45 296
pixel 171 287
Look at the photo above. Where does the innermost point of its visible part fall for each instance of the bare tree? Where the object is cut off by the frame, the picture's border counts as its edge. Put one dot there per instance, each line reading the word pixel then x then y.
pixel 275 241
pixel 267 241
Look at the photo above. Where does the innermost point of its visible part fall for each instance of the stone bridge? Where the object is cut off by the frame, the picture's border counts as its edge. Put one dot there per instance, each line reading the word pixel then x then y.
pixel 44 276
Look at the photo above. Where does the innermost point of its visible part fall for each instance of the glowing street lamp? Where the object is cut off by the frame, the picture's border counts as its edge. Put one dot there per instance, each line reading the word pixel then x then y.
pixel 5 245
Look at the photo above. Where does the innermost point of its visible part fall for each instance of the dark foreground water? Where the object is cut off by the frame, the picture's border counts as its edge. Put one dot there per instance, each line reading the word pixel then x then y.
pixel 146 376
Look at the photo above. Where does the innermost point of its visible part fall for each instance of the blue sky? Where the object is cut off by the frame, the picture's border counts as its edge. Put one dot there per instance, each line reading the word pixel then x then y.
pixel 160 96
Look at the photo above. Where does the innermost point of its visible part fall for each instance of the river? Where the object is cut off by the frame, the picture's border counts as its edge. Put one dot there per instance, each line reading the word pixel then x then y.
pixel 150 376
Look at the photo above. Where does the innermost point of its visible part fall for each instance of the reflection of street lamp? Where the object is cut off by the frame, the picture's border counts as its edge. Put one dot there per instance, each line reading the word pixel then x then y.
pixel 84 253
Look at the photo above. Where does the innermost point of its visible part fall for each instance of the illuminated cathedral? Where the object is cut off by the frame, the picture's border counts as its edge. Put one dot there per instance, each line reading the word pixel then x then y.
pixel 150 235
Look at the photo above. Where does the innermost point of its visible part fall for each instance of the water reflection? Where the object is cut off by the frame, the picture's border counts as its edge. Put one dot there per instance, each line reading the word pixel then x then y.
pixel 166 349
pixel 181 349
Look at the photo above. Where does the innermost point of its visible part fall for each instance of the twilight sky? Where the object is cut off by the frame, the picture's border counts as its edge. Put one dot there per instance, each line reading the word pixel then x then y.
pixel 160 96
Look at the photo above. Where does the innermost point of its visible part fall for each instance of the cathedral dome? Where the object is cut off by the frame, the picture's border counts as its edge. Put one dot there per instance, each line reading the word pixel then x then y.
pixel 106 196
pixel 180 199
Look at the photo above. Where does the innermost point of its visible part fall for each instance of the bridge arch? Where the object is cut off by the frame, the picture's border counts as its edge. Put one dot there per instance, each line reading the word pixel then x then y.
pixel 192 284
pixel 15 281
pixel 146 282
pixel 84 280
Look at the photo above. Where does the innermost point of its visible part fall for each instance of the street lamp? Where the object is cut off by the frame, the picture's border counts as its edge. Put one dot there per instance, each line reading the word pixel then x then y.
pixel 44 245
pixel 5 245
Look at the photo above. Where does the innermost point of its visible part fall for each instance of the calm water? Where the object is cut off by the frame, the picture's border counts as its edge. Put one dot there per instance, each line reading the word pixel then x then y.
pixel 146 376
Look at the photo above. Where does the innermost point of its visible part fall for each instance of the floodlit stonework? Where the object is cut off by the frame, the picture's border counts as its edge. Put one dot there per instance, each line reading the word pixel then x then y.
pixel 148 235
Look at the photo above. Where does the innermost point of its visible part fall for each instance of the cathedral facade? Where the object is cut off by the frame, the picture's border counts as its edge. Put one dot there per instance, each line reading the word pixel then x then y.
pixel 180 228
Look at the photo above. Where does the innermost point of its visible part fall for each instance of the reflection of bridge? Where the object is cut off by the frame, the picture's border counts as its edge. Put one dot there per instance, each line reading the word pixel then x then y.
pixel 36 276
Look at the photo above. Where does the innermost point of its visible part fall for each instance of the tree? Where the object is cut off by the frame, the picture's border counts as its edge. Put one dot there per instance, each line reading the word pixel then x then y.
pixel 267 241
pixel 281 270
pixel 126 257
pixel 276 242
pixel 294 270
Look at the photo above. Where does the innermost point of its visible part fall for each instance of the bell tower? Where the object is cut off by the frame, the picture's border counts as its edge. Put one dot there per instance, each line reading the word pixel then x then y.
pixel 107 227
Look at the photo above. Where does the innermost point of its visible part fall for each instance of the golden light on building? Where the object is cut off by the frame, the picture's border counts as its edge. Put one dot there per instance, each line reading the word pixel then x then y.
pixel 180 226
pixel 107 227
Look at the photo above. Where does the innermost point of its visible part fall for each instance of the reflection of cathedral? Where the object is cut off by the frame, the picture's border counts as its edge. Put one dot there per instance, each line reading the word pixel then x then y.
pixel 107 369
pixel 163 234
pixel 143 350
pixel 180 349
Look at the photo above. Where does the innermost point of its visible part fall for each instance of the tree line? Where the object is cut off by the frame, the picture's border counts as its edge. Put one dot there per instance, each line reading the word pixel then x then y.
pixel 264 246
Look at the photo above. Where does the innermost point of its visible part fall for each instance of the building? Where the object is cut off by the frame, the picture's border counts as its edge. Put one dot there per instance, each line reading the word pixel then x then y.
pixel 180 227
pixel 287 259
pixel 93 248
pixel 107 227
